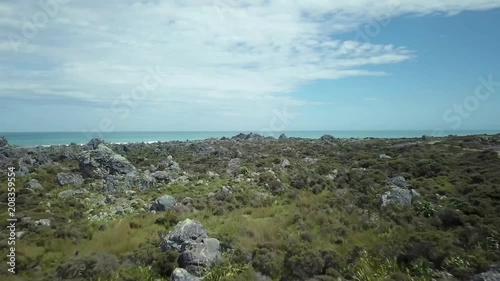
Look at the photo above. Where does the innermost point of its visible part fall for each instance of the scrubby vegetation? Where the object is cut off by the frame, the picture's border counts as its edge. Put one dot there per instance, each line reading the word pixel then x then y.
pixel 290 209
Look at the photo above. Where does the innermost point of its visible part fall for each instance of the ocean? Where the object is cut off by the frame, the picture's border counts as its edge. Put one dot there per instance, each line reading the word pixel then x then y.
pixel 64 138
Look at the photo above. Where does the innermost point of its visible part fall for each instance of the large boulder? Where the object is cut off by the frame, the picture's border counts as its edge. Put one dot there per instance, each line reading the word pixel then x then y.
pixel 185 232
pixel 161 176
pixel 199 255
pixel 327 138
pixel 492 275
pixel 164 203
pixel 397 195
pixel 69 179
pixel 3 142
pixel 282 137
pixel 27 160
pixel 197 250
pixel 101 162
pixel 206 149
pixel 180 274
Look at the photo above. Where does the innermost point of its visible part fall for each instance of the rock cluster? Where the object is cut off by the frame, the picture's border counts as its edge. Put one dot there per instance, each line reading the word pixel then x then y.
pixel 197 250
pixel 400 193
pixel 102 161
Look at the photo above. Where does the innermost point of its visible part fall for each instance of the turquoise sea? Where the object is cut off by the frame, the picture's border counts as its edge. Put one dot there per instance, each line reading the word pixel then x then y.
pixel 62 138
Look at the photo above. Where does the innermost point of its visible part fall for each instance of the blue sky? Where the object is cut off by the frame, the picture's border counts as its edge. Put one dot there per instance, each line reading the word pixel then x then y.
pixel 230 65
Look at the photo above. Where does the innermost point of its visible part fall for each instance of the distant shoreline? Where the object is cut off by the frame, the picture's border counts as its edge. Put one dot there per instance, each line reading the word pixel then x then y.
pixel 65 139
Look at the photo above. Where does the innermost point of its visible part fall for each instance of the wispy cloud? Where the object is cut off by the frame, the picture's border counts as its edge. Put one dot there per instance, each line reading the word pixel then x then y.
pixel 211 54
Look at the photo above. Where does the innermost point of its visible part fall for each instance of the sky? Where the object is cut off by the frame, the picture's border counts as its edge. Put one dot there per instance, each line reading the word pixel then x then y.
pixel 243 65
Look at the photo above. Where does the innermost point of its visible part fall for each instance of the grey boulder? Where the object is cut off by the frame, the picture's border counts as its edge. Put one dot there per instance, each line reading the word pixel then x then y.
pixel 33 185
pixel 398 181
pixel 185 232
pixel 180 274
pixel 164 203
pixel 69 179
pixel 199 255
pixel 101 162
pixel 399 196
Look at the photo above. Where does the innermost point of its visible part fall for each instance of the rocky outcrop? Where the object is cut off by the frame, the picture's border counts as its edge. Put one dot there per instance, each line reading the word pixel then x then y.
pixel 3 142
pixel 69 179
pixel 327 138
pixel 248 137
pixel 101 162
pixel 94 143
pixel 282 137
pixel 27 160
pixel 197 250
pixel 162 204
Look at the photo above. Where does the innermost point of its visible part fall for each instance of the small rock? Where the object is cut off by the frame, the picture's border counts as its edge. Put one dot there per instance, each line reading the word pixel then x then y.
pixel 69 194
pixel 20 234
pixel 33 185
pixel 161 176
pixel 398 181
pixel 43 222
pixel 310 160
pixel 180 274
pixel 211 174
pixel 384 156
pixel 285 163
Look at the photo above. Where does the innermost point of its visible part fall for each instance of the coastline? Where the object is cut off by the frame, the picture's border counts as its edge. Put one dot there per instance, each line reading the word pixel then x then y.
pixel 35 139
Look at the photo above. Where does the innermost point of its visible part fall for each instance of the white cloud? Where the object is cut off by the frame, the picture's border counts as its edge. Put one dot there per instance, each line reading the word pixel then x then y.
pixel 212 54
